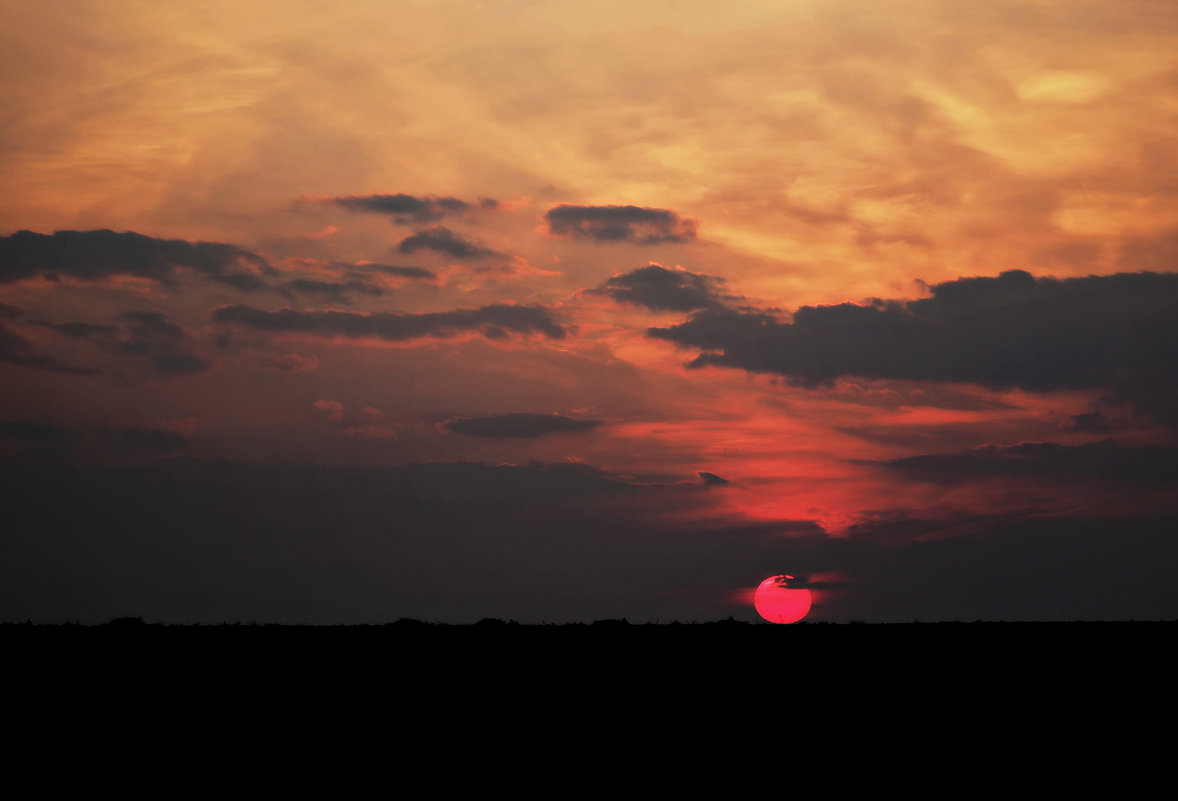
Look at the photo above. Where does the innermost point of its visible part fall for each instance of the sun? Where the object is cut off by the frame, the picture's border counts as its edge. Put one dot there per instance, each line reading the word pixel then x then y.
pixel 779 602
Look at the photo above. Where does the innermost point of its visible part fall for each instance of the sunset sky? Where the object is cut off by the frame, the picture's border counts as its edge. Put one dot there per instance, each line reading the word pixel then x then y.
pixel 559 310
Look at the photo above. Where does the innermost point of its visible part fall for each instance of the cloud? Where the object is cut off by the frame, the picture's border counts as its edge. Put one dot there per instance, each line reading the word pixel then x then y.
pixel 370 431
pixel 412 273
pixel 95 444
pixel 367 424
pixel 1011 331
pixel 15 349
pixel 286 362
pixel 658 288
pixel 457 542
pixel 8 311
pixel 903 526
pixel 152 440
pixel 634 224
pixel 150 338
pixel 407 209
pixel 493 322
pixel 95 255
pixel 355 279
pixel 1156 252
pixel 719 329
pixel 332 408
pixel 519 425
pixel 338 291
pixel 444 241
pixel 30 432
pixel 1105 461
pixel 461 541
pixel 246 282
pixel 712 479
pixel 160 344
pixel 79 330
pixel 1089 423
pixel 1033 569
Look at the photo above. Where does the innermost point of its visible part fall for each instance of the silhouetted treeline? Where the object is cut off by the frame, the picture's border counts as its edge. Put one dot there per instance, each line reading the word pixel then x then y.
pixel 494 622
pixel 495 661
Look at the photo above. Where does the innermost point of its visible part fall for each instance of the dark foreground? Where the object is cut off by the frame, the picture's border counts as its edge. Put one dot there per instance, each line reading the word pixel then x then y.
pixel 812 680
pixel 1024 634
pixel 830 648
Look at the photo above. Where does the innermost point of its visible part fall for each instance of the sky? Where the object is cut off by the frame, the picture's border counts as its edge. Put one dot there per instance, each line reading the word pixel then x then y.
pixel 559 311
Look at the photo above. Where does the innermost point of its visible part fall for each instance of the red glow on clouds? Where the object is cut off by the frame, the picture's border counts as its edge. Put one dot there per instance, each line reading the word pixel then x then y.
pixel 767 455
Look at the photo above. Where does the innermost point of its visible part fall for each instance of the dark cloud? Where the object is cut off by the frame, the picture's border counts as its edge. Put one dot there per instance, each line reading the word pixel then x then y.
pixel 904 526
pixel 286 362
pixel 893 393
pixel 1029 569
pixel 79 330
pixel 411 273
pixel 445 241
pixel 160 344
pixel 461 542
pixel 357 279
pixel 99 445
pixel 1105 461
pixel 30 432
pixel 246 282
pixel 793 582
pixel 8 312
pixel 339 291
pixel 1089 423
pixel 713 479
pixel 153 325
pixel 407 209
pixel 519 425
pixel 94 255
pixel 930 438
pixel 446 542
pixel 1013 330
pixel 150 339
pixel 719 329
pixel 151 440
pixel 634 224
pixel 658 288
pixel 15 349
pixel 493 322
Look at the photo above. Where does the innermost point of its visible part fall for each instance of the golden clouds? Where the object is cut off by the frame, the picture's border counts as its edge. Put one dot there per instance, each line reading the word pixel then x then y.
pixel 1061 86
pixel 830 146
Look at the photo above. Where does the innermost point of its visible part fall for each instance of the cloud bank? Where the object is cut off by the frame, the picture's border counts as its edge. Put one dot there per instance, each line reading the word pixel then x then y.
pixel 95 255
pixel 1011 331
pixel 442 240
pixel 493 322
pixel 660 289
pixel 519 425
pixel 406 209
pixel 634 224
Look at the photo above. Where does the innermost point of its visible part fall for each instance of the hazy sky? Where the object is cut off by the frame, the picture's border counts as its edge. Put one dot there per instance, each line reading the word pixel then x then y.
pixel 348 311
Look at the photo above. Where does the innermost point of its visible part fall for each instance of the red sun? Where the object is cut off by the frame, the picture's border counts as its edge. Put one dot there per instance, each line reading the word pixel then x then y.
pixel 778 602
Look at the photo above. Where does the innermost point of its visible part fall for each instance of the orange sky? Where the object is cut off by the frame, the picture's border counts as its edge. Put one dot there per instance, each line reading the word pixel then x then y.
pixel 822 153
pixel 831 150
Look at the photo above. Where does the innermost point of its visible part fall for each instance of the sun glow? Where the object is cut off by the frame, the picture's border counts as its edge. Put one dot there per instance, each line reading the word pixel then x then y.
pixel 779 601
